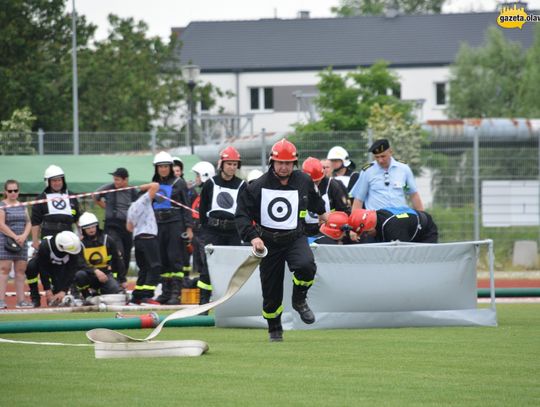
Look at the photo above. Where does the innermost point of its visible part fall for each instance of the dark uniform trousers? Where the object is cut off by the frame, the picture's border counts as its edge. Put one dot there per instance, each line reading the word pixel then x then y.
pixel 301 262
pixel 148 261
pixel 123 239
pixel 59 275
pixel 216 237
pixel 86 280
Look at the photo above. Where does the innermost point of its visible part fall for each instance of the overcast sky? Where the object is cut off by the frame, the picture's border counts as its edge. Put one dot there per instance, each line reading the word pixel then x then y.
pixel 161 15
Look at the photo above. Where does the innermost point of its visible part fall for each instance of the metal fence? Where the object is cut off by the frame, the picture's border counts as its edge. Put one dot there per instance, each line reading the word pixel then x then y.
pixel 476 186
pixel 89 142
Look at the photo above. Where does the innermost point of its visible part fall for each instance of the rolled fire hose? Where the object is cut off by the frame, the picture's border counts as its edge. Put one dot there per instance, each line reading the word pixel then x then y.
pixel 113 344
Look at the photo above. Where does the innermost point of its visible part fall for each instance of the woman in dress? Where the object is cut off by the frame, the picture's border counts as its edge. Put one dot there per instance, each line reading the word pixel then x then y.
pixel 14 223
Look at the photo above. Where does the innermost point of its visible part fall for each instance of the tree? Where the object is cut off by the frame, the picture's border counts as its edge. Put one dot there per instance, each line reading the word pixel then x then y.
pixel 345 101
pixel 406 137
pixel 35 59
pixel 15 137
pixel 483 80
pixel 349 8
pixel 127 79
pixel 529 103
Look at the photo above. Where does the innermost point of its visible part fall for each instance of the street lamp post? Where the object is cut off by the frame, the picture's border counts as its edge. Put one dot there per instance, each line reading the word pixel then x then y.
pixel 191 74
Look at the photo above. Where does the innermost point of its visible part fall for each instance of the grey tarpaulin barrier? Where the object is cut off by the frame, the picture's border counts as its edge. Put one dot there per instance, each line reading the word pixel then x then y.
pixel 367 286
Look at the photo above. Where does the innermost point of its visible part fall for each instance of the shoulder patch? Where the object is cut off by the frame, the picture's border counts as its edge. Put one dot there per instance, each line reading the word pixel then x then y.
pixel 366 166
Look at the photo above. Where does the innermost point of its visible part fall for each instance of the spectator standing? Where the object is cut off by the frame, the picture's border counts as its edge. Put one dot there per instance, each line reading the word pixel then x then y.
pixel 116 205
pixel 14 224
pixel 385 182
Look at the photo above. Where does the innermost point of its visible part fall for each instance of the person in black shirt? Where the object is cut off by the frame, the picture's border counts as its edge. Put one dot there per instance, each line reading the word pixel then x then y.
pixel 103 260
pixel 331 191
pixel 116 205
pixel 59 213
pixel 269 214
pixel 388 224
pixel 56 262
pixel 217 209
pixel 173 221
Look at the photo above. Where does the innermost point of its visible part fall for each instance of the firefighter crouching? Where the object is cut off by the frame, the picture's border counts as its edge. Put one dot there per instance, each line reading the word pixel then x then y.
pixel 105 266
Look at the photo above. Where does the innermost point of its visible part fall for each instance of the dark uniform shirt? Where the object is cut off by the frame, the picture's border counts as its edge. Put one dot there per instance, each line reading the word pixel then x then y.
pixel 405 225
pixel 166 211
pixel 101 252
pixel 219 198
pixel 58 214
pixel 276 207
pixel 55 266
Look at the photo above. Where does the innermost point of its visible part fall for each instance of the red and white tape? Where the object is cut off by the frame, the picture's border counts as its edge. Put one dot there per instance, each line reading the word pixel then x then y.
pixel 85 194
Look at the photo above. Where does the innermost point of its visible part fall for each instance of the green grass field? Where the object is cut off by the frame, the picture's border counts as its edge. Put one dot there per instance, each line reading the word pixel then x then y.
pixel 369 367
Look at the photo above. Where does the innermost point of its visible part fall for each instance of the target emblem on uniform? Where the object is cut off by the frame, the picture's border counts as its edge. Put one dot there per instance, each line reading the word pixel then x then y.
pixel 95 258
pixel 58 204
pixel 225 200
pixel 279 209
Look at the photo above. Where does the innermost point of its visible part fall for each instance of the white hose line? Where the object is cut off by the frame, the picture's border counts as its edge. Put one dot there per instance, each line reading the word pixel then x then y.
pixel 113 344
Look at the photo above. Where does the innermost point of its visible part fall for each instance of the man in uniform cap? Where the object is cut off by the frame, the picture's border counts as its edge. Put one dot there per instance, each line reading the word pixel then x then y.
pixel 385 182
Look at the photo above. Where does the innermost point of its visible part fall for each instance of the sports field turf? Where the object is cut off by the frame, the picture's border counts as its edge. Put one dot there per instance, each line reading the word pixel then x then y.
pixel 369 367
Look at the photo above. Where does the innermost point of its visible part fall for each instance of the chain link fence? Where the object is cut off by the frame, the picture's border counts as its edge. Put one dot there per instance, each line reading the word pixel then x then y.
pixel 475 186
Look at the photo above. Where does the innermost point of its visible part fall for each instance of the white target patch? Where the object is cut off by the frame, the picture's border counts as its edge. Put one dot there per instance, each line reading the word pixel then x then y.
pixel 279 209
pixel 224 199
pixel 59 204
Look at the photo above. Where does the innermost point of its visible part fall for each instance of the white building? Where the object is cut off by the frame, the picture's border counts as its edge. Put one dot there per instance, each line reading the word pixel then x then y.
pixel 264 63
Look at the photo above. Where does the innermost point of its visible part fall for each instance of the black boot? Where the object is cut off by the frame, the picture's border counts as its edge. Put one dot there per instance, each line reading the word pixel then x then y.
pixel 301 306
pixel 165 291
pixel 205 296
pixel 34 295
pixel 175 290
pixel 275 330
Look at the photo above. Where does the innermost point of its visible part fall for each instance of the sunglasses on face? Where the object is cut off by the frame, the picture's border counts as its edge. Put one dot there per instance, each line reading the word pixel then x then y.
pixel 12 191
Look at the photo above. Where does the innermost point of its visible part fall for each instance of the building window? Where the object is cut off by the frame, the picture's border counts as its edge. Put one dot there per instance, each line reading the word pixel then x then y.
pixel 261 98
pixel 440 94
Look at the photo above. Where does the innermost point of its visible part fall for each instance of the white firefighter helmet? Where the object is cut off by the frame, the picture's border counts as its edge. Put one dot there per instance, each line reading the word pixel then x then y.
pixel 163 158
pixel 53 171
pixel 68 242
pixel 253 175
pixel 339 153
pixel 205 170
pixel 87 220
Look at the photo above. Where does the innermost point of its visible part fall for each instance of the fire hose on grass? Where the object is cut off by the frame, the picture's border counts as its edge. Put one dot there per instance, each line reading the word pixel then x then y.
pixel 112 344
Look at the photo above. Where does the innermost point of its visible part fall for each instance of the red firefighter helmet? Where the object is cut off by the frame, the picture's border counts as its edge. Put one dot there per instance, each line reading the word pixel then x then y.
pixel 313 167
pixel 362 219
pixel 334 227
pixel 230 154
pixel 283 150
